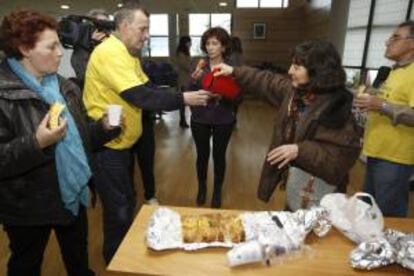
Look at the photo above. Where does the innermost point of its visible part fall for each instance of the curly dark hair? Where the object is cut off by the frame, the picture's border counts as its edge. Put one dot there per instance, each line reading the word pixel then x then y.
pixel 22 28
pixel 182 45
pixel 221 35
pixel 323 63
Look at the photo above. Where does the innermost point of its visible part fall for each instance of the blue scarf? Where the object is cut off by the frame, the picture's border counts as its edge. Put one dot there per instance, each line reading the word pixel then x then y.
pixel 71 162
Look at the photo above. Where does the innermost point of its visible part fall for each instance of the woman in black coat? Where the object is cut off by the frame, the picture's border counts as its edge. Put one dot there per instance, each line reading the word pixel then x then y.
pixel 44 172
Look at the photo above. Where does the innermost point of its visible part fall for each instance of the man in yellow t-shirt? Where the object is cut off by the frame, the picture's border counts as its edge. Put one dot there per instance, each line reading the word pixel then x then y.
pixel 114 76
pixel 389 134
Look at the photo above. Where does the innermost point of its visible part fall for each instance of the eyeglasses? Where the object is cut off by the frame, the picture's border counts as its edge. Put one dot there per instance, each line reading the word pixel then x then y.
pixel 396 38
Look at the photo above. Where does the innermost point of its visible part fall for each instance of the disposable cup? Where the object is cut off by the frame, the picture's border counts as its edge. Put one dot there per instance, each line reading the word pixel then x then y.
pixel 245 253
pixel 114 114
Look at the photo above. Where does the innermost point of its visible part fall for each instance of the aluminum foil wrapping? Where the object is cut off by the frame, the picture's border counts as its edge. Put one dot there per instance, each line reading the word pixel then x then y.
pixel 284 228
pixel 394 247
pixel 403 245
pixel 370 255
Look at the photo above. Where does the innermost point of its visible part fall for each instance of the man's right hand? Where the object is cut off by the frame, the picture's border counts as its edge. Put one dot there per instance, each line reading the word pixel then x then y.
pixel 45 136
pixel 199 97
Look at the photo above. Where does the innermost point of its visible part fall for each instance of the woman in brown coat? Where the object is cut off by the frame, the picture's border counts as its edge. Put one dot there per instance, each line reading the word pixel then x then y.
pixel 314 127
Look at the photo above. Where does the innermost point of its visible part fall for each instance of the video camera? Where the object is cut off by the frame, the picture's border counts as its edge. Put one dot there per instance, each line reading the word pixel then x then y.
pixel 76 31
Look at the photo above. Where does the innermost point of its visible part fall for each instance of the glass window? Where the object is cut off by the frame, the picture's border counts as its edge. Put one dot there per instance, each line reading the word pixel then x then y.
pixel 376 47
pixel 286 3
pixel 390 12
pixel 321 3
pixel 271 3
pixel 371 75
pixel 247 4
pixel 158 45
pixel 387 15
pixel 159 24
pixel 358 13
pixel 262 3
pixel 195 46
pixel 356 32
pixel 200 22
pixel 352 77
pixel 221 20
pixel 354 47
pixel 145 51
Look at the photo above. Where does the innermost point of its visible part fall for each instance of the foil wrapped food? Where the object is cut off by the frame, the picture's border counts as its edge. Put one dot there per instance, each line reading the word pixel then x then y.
pixel 169 230
pixel 393 247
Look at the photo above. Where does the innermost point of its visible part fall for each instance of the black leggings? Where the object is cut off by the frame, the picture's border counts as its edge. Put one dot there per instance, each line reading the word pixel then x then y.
pixel 221 137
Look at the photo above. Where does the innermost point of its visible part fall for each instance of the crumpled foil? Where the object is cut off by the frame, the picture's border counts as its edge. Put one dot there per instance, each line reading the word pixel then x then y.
pixel 404 247
pixel 394 247
pixel 284 228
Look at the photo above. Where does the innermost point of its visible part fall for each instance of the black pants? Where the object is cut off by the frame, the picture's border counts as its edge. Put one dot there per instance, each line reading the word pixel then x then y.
pixel 116 190
pixel 28 243
pixel 144 149
pixel 221 136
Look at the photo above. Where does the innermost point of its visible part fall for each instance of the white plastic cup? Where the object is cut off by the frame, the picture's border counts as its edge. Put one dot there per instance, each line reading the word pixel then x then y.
pixel 114 114
pixel 245 253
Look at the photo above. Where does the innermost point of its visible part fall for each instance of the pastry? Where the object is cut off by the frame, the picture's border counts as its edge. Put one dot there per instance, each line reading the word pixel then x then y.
pixel 212 228
pixel 54 113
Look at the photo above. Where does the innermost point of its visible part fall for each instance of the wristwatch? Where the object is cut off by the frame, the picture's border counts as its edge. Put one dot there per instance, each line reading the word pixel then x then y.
pixel 386 108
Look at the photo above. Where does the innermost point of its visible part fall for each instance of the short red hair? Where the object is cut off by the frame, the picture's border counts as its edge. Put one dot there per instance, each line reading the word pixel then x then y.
pixel 22 28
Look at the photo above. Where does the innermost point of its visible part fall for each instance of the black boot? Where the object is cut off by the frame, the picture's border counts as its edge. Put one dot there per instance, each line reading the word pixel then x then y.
pixel 201 196
pixel 216 200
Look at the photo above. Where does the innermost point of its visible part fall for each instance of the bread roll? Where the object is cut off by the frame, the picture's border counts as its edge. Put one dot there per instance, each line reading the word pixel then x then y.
pixel 55 111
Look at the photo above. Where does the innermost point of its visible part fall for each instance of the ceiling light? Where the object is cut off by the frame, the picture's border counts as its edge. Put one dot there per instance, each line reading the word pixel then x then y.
pixel 65 7
pixel 223 4
pixel 120 5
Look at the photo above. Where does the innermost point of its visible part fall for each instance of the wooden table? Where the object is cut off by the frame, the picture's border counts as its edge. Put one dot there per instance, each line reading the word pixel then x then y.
pixel 329 257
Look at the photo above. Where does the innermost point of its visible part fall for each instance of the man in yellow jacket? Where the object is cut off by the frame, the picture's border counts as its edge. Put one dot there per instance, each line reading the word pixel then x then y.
pixel 114 76
pixel 389 134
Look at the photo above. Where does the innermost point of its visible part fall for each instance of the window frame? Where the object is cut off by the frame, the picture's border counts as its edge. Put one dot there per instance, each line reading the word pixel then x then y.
pixel 365 70
pixel 284 5
pixel 147 52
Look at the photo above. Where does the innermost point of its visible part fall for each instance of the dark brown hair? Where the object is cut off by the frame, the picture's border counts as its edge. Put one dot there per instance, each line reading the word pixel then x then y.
pixel 221 35
pixel 323 63
pixel 21 29
pixel 182 45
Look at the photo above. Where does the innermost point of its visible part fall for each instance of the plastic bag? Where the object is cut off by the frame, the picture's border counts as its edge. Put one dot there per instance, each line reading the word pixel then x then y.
pixel 358 220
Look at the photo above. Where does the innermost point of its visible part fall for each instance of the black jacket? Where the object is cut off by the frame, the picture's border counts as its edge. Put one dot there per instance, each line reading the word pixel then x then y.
pixel 29 189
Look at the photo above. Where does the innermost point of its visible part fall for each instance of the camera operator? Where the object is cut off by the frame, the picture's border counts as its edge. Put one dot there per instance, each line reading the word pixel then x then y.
pixel 81 53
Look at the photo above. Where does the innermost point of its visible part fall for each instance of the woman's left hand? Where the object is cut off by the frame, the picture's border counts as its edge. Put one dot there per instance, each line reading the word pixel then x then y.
pixel 282 155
